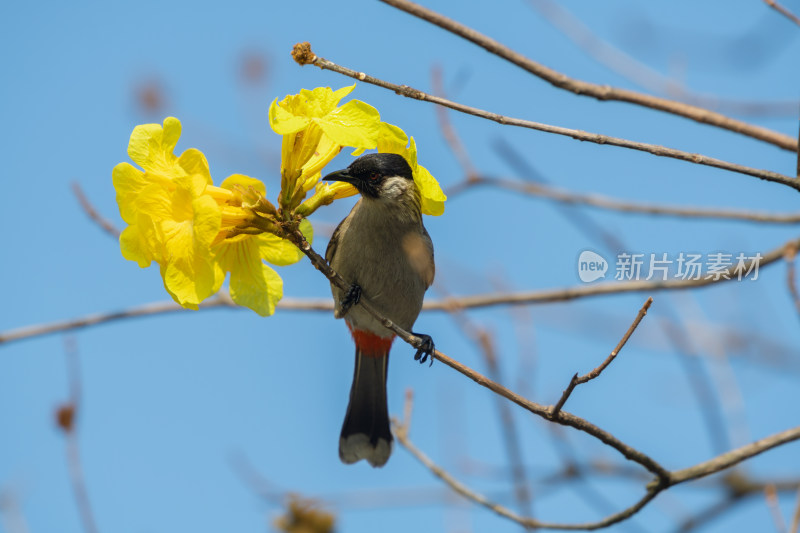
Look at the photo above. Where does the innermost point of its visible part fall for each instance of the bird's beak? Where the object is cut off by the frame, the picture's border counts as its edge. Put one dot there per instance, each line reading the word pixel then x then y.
pixel 340 175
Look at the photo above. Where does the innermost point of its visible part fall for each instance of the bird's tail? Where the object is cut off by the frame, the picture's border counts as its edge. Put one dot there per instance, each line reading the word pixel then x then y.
pixel 365 432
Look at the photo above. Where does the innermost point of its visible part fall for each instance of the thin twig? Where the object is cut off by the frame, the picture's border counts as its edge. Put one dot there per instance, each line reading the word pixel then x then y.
pixel 472 302
pixel 575 381
pixel 606 202
pixel 783 11
pixel 600 92
pixel 409 92
pixel 89 209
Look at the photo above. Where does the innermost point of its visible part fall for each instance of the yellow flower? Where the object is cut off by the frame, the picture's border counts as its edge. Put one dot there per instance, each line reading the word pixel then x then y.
pixel 180 222
pixel 151 146
pixel 314 131
pixel 254 284
pixel 394 140
pixel 179 219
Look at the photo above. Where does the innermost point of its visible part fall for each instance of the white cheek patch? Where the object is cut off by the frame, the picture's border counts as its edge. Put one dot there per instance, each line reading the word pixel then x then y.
pixel 394 187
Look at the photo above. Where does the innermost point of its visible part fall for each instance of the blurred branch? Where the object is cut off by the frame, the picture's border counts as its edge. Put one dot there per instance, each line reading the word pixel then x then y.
pixel 600 92
pixel 66 416
pixel 89 209
pixel 448 132
pixel 771 497
pixel 13 520
pixel 791 278
pixel 483 340
pixel 783 11
pixel 477 301
pixel 304 55
pixel 606 202
pixel 644 76
pixel 796 516
pixel 575 381
pixel 401 431
pixel 661 483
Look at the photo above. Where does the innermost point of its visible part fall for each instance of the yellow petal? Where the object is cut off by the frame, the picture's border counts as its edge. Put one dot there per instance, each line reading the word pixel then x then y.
pixel 281 252
pixel 258 289
pixel 392 139
pixel 245 182
pixel 342 190
pixel 294 112
pixel 433 197
pixel 253 284
pixel 152 146
pixel 128 182
pixel 326 150
pixel 193 161
pixel 137 243
pixel 190 279
pixel 206 221
pixel 354 124
pixel 283 121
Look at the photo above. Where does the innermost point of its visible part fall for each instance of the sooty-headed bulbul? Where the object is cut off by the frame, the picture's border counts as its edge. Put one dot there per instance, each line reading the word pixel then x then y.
pixel 384 251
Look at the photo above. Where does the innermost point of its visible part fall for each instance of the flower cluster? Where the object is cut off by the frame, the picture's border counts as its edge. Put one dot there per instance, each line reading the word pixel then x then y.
pixel 198 232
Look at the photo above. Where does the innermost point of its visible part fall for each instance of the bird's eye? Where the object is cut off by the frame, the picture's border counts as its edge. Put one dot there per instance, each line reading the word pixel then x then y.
pixel 374 176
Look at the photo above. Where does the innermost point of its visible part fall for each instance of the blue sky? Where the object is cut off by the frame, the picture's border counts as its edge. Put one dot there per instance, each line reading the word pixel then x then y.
pixel 169 400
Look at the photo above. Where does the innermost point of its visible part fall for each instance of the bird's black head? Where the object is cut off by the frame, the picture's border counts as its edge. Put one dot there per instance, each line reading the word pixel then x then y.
pixel 369 173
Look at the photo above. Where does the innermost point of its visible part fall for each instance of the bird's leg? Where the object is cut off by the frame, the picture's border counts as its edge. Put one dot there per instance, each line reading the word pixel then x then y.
pixel 426 348
pixel 351 297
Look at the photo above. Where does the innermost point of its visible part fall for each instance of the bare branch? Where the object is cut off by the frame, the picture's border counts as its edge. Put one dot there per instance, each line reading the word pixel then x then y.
pixel 326 305
pixel 101 221
pixel 600 92
pixel 783 11
pixel 409 92
pixel 606 202
pixel 727 460
pixel 575 381
pixel 644 76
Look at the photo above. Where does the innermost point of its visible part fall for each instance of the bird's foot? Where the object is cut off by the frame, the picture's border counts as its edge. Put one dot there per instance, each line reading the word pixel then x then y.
pixel 351 298
pixel 425 349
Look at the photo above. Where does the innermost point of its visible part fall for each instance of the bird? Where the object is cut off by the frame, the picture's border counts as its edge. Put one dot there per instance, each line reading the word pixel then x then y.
pixel 384 252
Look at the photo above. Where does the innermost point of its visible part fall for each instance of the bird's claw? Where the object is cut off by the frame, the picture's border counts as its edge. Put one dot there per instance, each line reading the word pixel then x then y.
pixel 426 348
pixel 351 298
